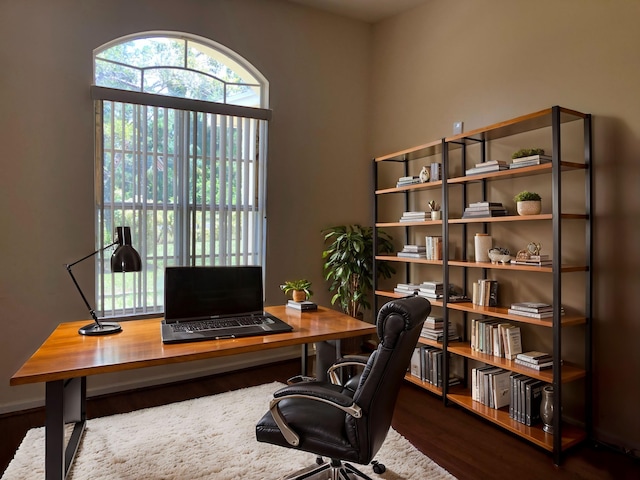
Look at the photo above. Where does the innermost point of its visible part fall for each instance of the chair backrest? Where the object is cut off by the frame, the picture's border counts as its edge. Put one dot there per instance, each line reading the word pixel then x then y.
pixel 399 324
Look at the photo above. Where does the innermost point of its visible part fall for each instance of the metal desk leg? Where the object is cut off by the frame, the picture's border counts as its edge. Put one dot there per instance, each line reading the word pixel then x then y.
pixel 304 359
pixel 65 403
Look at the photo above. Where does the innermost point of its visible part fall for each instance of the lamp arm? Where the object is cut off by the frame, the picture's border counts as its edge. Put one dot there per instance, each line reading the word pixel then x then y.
pixel 75 282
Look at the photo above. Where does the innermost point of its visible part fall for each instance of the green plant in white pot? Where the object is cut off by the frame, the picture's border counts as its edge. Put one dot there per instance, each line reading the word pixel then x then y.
pixel 348 264
pixel 528 203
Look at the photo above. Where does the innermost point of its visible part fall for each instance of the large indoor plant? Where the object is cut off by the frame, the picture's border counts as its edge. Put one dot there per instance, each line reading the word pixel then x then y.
pixel 348 264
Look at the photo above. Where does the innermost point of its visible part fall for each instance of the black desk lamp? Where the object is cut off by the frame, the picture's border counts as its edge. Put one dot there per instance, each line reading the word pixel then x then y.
pixel 124 259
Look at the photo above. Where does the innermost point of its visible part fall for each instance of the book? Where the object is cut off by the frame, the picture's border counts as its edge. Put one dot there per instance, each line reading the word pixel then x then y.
pixel 539 315
pixel 539 366
pixel 305 305
pixel 535 307
pixel 411 254
pixel 436 171
pixel 545 158
pixel 534 357
pixel 490 168
pixel 414 248
pixel 489 163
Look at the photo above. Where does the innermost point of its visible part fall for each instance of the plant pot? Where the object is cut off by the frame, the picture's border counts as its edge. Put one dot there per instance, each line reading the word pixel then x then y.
pixel 436 215
pixel 529 207
pixel 299 296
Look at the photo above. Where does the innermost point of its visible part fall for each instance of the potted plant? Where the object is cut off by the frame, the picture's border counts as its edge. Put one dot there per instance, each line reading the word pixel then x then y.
pixel 301 289
pixel 528 203
pixel 435 210
pixel 527 152
pixel 348 264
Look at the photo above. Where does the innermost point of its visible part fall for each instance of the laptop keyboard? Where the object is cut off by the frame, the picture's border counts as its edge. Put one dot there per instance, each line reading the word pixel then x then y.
pixel 217 323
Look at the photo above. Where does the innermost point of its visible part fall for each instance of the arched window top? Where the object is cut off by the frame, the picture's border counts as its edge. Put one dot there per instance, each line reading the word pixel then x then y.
pixel 179 65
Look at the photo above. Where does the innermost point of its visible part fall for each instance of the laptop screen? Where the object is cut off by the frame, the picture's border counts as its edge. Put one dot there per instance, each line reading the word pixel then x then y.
pixel 205 292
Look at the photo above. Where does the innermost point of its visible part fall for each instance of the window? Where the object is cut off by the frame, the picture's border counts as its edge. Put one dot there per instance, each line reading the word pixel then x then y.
pixel 181 130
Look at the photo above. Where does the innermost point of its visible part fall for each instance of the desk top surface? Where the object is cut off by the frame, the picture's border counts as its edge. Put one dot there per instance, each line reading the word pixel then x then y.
pixel 67 354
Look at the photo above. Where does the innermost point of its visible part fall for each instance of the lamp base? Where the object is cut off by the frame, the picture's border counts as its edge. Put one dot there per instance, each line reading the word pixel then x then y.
pixel 105 328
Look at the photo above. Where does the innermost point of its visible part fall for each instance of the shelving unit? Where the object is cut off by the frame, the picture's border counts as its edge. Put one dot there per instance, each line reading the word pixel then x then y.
pixel 553 127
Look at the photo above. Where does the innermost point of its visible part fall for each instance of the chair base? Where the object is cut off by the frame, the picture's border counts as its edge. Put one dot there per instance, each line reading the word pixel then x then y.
pixel 328 470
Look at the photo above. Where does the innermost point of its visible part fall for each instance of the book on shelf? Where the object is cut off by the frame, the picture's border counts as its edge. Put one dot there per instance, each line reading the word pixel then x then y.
pixel 478 212
pixel 530 158
pixel 433 322
pixel 486 169
pixel 415 216
pixel 490 163
pixel 535 366
pixel 534 357
pixel 414 248
pixel 411 254
pixel 406 288
pixel 485 204
pixel 404 181
pixel 305 305
pixel 532 263
pixel 485 293
pixel 433 247
pixel 534 307
pixel 412 251
pixel 538 315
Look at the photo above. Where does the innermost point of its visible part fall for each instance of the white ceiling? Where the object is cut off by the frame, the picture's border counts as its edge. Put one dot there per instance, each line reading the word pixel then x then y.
pixel 370 11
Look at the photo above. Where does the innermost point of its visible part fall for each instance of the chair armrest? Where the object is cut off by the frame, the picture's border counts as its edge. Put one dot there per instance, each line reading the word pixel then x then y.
pixel 309 391
pixel 346 361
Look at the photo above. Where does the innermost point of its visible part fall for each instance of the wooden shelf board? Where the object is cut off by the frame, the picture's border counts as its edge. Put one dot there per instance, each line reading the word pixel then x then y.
pixel 420 151
pixel 408 224
pixel 395 258
pixel 571 435
pixel 501 312
pixel 516 172
pixel 569 373
pixel 416 186
pixel 431 343
pixel 524 123
pixel 422 384
pixel 508 266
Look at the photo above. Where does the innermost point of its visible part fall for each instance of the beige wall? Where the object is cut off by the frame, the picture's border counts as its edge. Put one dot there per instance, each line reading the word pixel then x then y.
pixel 317 65
pixel 484 62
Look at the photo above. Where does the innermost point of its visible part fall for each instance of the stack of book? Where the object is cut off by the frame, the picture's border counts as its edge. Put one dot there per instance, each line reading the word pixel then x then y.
pixel 409 180
pixel 485 293
pixel 407 288
pixel 491 386
pixel 484 209
pixel 431 290
pixel 533 310
pixel 304 306
pixel 533 260
pixel 413 251
pixel 433 248
pixel 415 216
pixel 526 396
pixel 530 160
pixel 485 167
pixel 535 360
pixel 433 329
pixel 495 337
pixel 426 364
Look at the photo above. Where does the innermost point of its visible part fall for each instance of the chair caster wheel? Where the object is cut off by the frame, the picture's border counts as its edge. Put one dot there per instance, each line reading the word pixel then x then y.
pixel 378 467
pixel 319 460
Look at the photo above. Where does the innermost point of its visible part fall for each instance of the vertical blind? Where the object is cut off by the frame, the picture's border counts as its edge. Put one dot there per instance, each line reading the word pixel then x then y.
pixel 191 187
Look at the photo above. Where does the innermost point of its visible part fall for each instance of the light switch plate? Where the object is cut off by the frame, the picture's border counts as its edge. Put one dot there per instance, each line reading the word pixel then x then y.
pixel 457 128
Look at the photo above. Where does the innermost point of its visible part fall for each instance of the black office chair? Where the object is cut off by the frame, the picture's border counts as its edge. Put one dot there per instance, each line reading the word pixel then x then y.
pixel 337 422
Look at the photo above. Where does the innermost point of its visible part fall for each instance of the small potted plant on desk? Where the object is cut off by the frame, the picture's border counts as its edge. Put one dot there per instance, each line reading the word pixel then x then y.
pixel 301 289
pixel 528 203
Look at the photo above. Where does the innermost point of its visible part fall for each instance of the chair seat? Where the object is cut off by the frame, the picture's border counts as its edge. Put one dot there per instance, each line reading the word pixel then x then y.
pixel 321 427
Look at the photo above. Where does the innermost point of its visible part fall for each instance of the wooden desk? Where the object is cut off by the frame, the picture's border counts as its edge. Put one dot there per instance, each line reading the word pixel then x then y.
pixel 66 358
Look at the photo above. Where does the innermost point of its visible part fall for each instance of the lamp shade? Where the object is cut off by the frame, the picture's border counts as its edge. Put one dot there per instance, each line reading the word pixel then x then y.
pixel 125 258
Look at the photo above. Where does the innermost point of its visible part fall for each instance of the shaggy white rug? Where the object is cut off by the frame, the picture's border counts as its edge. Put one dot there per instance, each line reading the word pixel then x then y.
pixel 205 438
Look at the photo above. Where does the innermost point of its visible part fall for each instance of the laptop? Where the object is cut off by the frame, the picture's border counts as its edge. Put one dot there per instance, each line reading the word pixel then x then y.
pixel 212 303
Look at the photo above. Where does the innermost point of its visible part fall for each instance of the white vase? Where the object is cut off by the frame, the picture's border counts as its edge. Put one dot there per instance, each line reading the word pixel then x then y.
pixel 483 243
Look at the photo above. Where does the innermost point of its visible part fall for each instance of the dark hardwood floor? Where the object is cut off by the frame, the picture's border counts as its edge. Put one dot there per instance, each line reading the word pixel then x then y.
pixel 460 442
